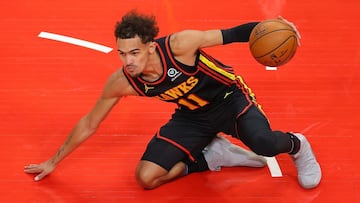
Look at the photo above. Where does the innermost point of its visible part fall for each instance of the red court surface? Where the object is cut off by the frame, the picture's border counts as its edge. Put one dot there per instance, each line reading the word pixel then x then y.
pixel 46 86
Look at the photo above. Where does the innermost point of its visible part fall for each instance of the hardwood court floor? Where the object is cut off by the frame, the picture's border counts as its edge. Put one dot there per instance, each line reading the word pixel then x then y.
pixel 46 86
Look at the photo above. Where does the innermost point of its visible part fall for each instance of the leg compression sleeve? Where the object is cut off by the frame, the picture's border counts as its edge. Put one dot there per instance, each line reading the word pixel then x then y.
pixel 255 132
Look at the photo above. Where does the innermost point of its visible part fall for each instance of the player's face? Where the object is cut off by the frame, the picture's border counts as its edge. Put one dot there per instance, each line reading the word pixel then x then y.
pixel 134 55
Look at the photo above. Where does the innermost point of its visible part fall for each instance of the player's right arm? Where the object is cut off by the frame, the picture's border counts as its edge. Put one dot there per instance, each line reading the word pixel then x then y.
pixel 116 87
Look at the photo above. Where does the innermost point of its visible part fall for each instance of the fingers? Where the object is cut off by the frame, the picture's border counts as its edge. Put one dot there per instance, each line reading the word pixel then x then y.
pixel 40 176
pixel 42 170
pixel 298 36
pixel 32 168
pixel 35 168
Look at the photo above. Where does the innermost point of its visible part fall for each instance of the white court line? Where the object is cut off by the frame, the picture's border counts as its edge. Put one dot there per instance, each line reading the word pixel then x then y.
pixel 270 68
pixel 274 167
pixel 75 41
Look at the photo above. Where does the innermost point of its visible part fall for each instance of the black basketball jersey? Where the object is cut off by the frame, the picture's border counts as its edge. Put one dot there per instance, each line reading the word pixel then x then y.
pixel 191 87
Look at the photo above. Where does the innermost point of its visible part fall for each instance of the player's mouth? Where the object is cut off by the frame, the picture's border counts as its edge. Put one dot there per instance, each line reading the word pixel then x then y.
pixel 130 68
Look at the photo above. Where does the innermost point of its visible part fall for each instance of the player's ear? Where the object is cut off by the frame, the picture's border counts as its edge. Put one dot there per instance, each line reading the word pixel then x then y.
pixel 152 47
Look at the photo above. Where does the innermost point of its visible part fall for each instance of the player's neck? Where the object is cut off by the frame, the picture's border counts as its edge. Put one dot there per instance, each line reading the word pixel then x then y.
pixel 154 69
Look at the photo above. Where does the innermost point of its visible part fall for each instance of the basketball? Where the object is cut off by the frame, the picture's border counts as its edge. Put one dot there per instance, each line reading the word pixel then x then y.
pixel 273 42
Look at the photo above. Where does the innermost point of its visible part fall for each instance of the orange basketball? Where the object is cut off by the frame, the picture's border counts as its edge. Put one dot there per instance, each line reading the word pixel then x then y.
pixel 273 42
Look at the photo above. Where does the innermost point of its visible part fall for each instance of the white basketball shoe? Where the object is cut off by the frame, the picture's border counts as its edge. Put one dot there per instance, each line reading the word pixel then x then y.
pixel 221 152
pixel 309 171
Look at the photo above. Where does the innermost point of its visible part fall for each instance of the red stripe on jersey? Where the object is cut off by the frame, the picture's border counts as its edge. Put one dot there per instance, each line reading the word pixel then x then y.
pixel 217 63
pixel 216 69
pixel 241 85
pixel 220 78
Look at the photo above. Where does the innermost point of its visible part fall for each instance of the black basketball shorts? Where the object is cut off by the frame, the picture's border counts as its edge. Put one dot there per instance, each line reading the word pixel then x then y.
pixel 189 132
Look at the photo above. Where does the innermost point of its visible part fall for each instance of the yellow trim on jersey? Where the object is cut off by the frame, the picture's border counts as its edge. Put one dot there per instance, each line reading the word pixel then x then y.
pixel 215 68
pixel 251 93
pixel 248 89
pixel 231 76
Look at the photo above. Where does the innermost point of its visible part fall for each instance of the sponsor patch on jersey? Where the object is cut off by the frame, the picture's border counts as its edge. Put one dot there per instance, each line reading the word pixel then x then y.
pixel 173 73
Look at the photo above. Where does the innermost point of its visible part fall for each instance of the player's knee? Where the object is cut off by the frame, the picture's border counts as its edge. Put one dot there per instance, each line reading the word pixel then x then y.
pixel 145 179
pixel 148 175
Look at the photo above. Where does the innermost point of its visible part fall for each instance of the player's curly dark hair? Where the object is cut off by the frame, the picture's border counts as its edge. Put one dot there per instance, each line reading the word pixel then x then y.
pixel 133 24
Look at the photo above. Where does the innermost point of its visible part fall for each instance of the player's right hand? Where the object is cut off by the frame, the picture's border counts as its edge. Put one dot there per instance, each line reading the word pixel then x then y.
pixel 42 169
pixel 298 36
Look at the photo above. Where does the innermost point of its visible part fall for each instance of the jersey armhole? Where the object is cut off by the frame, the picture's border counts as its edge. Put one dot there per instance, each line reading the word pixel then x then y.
pixel 186 69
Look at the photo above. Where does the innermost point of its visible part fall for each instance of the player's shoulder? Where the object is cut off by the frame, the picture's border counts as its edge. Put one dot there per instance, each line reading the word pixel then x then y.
pixel 184 42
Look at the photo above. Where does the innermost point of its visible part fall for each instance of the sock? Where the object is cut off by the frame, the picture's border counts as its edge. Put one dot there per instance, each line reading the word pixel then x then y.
pixel 199 165
pixel 295 144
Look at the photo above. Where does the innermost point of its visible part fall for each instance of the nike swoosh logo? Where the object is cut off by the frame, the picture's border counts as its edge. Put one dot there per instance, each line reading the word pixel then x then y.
pixel 227 94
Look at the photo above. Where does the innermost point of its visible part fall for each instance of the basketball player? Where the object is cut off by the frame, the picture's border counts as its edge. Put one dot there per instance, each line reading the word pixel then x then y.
pixel 210 98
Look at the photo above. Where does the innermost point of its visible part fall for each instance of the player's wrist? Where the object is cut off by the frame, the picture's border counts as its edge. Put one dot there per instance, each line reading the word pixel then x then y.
pixel 239 33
